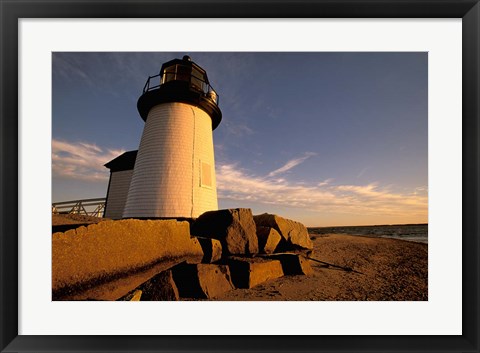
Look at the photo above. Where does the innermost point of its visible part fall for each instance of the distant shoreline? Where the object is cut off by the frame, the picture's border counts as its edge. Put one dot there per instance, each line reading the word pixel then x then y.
pixel 373 225
pixel 417 233
pixel 314 235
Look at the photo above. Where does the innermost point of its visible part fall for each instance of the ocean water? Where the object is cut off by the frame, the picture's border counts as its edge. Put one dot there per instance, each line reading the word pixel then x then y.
pixel 409 232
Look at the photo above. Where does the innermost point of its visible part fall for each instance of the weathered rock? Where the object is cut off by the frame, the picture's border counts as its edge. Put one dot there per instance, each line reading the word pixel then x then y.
pixel 212 249
pixel 294 234
pixel 109 259
pixel 134 296
pixel 293 264
pixel 234 228
pixel 203 281
pixel 268 239
pixel 160 287
pixel 247 273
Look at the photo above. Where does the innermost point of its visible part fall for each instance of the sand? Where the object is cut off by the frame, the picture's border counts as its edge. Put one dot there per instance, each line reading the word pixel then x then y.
pixel 391 270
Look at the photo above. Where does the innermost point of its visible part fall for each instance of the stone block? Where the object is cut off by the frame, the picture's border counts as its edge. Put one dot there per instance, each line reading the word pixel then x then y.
pixel 247 273
pixel 293 264
pixel 107 260
pixel 294 234
pixel 268 239
pixel 212 249
pixel 234 228
pixel 161 287
pixel 202 281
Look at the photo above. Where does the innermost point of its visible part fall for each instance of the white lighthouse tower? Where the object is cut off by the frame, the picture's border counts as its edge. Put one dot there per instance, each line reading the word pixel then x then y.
pixel 174 172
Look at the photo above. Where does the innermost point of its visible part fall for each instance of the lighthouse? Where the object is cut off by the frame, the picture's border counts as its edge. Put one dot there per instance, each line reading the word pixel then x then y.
pixel 174 170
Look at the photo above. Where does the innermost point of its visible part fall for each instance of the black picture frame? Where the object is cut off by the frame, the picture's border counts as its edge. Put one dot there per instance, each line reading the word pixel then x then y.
pixel 12 10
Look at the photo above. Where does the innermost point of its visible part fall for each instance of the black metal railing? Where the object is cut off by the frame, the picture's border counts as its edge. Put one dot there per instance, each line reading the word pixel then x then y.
pixel 147 86
pixel 197 84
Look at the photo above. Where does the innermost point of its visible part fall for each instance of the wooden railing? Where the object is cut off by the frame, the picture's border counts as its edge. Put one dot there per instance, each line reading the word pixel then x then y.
pixel 87 207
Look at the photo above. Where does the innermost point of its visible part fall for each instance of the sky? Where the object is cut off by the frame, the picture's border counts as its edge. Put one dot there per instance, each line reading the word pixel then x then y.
pixel 327 139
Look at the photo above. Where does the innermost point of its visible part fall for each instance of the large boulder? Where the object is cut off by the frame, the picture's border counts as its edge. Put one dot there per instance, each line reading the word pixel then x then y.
pixel 107 260
pixel 202 281
pixel 294 234
pixel 212 249
pixel 293 264
pixel 160 287
pixel 268 239
pixel 234 228
pixel 247 273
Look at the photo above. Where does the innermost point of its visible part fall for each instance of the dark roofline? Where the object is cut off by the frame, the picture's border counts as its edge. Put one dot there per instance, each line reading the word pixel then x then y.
pixel 125 161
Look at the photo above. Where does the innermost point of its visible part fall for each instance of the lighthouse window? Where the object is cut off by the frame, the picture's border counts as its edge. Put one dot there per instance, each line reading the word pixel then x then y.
pixel 176 73
pixel 206 175
pixel 197 79
pixel 183 73
pixel 169 74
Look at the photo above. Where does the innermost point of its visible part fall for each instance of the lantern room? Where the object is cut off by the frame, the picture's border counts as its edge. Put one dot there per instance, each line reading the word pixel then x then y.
pixel 180 80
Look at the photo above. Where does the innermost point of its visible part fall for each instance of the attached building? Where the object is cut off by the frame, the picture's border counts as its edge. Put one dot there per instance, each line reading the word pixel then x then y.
pixel 121 171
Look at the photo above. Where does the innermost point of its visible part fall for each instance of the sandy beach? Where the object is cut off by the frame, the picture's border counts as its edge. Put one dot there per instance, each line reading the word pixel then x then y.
pixel 390 270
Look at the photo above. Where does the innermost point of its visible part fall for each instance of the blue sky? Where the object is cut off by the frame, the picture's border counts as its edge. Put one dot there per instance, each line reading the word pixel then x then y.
pixel 323 138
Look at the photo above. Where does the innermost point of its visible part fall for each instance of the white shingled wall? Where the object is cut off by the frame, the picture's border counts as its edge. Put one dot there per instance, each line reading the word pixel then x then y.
pixel 117 193
pixel 176 139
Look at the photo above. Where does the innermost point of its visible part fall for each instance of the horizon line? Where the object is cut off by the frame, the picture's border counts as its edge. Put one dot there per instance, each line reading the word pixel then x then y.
pixel 372 225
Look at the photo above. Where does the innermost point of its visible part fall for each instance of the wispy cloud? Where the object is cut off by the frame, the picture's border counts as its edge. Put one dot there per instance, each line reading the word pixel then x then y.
pixel 85 161
pixel 238 129
pixel 325 182
pixel 291 163
pixel 420 190
pixel 362 172
pixel 70 68
pixel 98 71
pixel 237 184
pixel 81 160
